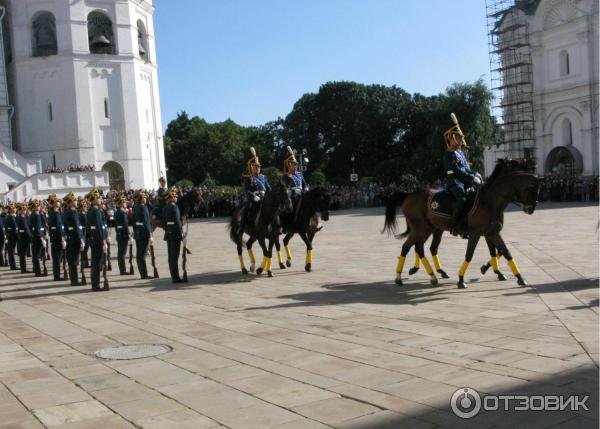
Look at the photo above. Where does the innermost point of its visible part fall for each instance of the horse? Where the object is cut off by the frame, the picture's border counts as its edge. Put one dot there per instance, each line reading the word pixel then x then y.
pixel 186 204
pixel 313 204
pixel 503 166
pixel 485 219
pixel 267 226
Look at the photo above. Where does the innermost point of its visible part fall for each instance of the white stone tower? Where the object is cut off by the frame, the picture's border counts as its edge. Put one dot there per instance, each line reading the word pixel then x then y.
pixel 83 80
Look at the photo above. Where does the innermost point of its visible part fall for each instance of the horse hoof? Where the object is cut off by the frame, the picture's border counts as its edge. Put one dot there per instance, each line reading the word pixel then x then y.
pixel 461 285
pixel 259 271
pixel 307 267
pixel 288 263
pixel 398 281
pixel 443 274
pixel 282 266
pixel 413 270
pixel 484 269
pixel 269 274
pixel 501 276
pixel 244 271
pixel 252 268
pixel 521 281
pixel 433 281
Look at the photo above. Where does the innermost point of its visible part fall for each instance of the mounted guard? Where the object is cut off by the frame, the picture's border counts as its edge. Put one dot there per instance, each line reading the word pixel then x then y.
pixel 459 177
pixel 161 199
pixel 256 186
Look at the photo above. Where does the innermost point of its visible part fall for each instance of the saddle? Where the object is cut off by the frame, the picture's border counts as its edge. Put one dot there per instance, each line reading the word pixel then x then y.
pixel 442 202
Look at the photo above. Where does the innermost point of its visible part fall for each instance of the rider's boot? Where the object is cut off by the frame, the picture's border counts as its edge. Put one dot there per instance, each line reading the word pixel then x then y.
pixel 455 221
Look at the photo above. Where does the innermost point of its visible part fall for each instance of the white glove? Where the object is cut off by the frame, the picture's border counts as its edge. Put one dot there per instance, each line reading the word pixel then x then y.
pixel 43 243
pixel 104 247
pixel 256 198
pixel 131 240
pixel 82 246
pixel 63 244
pixel 477 180
pixel 151 240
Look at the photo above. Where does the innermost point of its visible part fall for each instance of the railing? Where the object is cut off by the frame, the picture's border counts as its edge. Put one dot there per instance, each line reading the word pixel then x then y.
pixel 41 185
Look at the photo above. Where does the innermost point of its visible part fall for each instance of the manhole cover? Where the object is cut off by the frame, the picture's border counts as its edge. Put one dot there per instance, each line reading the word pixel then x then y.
pixel 134 351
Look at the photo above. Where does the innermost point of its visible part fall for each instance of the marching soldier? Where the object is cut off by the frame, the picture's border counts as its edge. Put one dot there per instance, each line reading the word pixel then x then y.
pixel 96 235
pixel 12 235
pixel 142 232
pixel 255 187
pixel 38 237
pixel 74 236
pixel 173 233
pixel 57 235
pixel 459 176
pixel 82 207
pixel 3 263
pixel 122 227
pixel 24 239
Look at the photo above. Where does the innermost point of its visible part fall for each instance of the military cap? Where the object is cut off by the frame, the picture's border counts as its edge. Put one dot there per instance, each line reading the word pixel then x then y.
pixel 291 159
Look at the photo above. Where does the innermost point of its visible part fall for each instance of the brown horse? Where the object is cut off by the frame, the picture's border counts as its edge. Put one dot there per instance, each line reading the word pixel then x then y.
pixel 486 219
pixel 186 204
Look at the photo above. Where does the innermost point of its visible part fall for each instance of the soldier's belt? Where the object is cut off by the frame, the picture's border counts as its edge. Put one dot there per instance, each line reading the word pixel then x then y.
pixel 70 228
pixel 449 172
pixel 119 227
pixel 21 230
pixel 92 227
pixel 140 223
pixel 170 223
pixel 52 227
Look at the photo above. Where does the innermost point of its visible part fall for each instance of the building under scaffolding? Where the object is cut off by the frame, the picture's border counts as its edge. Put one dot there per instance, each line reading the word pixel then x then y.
pixel 512 75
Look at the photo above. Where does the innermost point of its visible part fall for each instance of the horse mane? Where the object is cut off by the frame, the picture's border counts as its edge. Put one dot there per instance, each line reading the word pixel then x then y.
pixel 512 165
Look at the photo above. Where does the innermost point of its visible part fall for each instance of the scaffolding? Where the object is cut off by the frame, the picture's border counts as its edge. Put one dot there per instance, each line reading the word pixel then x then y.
pixel 511 76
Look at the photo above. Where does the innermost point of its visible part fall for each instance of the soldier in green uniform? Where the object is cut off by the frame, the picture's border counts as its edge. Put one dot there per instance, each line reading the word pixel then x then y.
pixel 74 236
pixel 83 209
pixel 142 232
pixel 96 235
pixel 3 262
pixel 122 227
pixel 12 235
pixel 57 235
pixel 173 233
pixel 38 237
pixel 24 239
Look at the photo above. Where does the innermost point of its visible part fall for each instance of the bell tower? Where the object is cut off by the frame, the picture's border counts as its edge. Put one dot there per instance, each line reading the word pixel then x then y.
pixel 84 84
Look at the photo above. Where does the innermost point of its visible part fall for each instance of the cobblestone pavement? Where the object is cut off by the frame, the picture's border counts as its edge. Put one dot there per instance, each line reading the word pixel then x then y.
pixel 341 346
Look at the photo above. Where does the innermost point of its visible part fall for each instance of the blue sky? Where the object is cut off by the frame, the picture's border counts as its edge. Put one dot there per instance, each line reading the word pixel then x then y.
pixel 250 60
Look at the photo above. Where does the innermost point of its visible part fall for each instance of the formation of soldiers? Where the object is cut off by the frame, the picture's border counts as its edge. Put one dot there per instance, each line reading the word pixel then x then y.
pixel 74 234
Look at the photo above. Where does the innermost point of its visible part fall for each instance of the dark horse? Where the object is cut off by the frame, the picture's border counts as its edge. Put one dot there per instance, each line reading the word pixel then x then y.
pixel 186 204
pixel 486 219
pixel 503 166
pixel 304 223
pixel 266 226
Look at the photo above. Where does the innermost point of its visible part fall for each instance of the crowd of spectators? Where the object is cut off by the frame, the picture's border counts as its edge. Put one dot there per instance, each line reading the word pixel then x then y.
pixel 562 188
pixel 71 168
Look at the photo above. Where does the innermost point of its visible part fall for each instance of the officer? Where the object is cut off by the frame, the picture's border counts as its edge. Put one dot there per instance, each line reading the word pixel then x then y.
pixel 122 227
pixel 3 263
pixel 57 235
pixel 83 209
pixel 255 187
pixel 96 235
pixel 12 234
pixel 74 236
pixel 293 178
pixel 24 239
pixel 459 176
pixel 142 232
pixel 173 233
pixel 38 237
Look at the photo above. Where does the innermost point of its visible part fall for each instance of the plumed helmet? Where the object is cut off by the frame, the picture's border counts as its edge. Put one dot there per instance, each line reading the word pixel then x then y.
pixel 253 161
pixel 52 198
pixel 172 192
pixel 121 198
pixel 93 194
pixel 139 195
pixel 291 159
pixel 34 204
pixel 69 198
pixel 454 130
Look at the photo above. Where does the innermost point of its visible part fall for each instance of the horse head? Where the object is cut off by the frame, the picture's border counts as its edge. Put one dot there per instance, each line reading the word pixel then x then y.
pixel 527 194
pixel 321 202
pixel 283 197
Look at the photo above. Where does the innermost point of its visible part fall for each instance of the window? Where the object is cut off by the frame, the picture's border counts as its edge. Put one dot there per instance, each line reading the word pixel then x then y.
pixel 100 34
pixel 106 112
pixel 50 112
pixel 142 41
pixel 567 132
pixel 565 66
pixel 44 35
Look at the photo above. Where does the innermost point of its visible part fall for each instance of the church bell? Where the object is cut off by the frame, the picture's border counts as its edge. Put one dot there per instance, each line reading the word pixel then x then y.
pixel 100 40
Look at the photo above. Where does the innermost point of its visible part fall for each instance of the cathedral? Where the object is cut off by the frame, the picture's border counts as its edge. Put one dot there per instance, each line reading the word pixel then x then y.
pixel 79 86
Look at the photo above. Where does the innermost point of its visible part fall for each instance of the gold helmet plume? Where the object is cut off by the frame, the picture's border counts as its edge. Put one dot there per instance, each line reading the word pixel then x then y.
pixel 139 195
pixel 121 198
pixel 252 161
pixel 69 198
pixel 291 159
pixel 454 130
pixel 52 198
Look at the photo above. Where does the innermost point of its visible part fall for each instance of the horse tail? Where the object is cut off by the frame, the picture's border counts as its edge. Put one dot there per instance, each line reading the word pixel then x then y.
pixel 233 226
pixel 394 200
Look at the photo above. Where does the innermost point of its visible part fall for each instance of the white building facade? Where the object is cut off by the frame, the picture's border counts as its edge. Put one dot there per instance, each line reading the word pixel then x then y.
pixel 82 79
pixel 563 38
